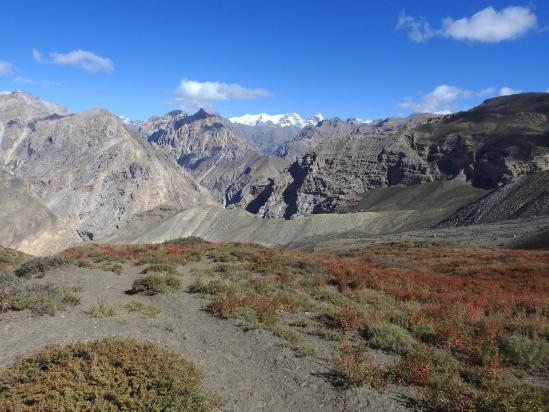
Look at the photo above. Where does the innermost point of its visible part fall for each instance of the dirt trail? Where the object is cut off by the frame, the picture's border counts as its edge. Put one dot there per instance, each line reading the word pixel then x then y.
pixel 245 370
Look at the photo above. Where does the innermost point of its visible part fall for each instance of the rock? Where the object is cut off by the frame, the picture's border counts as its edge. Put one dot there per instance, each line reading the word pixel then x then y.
pixel 88 169
pixel 488 146
pixel 212 150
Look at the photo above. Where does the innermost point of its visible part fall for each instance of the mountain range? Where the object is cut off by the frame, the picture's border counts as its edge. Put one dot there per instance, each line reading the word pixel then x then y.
pixel 281 120
pixel 74 177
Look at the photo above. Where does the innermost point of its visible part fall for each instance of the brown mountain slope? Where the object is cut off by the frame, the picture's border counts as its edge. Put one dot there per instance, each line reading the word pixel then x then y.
pixel 91 171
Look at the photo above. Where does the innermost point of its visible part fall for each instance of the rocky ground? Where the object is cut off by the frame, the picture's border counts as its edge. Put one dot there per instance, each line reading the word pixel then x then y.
pixel 516 233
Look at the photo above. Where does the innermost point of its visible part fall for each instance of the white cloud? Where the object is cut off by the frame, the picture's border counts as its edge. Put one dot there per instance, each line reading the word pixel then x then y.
pixel 81 59
pixel 419 28
pixel 43 83
pixel 23 80
pixel 487 25
pixel 491 26
pixel 441 100
pixel 489 91
pixel 445 99
pixel 49 83
pixel 506 91
pixel 5 68
pixel 36 55
pixel 192 95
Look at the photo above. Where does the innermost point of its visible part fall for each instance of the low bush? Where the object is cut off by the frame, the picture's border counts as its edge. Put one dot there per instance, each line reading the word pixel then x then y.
pixel 522 351
pixel 113 267
pixel 414 370
pixel 41 265
pixel 108 374
pixel 348 319
pixel 154 284
pixel 101 310
pixel 146 309
pixel 207 287
pixel 391 337
pixel 425 332
pixel 451 395
pixel 502 397
pixel 11 259
pixel 353 367
pixel 43 299
pixel 160 268
pixel 225 304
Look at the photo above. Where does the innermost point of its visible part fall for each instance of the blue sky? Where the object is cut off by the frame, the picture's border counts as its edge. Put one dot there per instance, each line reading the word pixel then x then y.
pixel 344 58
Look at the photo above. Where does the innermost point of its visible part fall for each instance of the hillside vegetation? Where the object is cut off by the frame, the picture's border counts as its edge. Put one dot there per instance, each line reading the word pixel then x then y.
pixel 466 326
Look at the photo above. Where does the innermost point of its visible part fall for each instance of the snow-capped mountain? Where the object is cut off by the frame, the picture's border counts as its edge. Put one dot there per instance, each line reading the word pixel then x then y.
pixel 282 120
pixel 364 121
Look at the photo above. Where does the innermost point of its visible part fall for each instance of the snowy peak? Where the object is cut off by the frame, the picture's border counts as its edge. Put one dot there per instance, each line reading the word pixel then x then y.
pixel 281 120
pixel 357 120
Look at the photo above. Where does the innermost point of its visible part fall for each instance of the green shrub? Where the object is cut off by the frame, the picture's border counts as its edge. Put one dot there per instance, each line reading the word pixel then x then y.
pixel 508 398
pixel 41 265
pixel 207 287
pixel 522 351
pixel 391 337
pixel 44 299
pixel 451 395
pixel 286 333
pixel 104 375
pixel 154 284
pixel 425 331
pixel 160 268
pixel 113 267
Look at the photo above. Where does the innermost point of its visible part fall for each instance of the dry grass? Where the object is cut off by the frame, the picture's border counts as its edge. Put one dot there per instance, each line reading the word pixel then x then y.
pixel 11 259
pixel 101 310
pixel 142 308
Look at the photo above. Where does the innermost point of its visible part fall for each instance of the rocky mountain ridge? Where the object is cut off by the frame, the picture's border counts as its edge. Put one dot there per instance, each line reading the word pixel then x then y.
pixel 489 145
pixel 336 128
pixel 88 169
pixel 211 149
pixel 89 174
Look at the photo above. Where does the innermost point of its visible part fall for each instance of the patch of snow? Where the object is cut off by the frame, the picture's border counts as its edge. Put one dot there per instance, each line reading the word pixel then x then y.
pixel 281 120
pixel 358 120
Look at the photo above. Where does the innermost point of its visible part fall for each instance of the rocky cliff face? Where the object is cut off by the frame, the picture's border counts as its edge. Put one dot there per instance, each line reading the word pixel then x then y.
pixel 268 137
pixel 503 138
pixel 197 142
pixel 338 169
pixel 212 150
pixel 311 136
pixel 88 169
